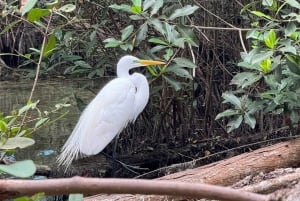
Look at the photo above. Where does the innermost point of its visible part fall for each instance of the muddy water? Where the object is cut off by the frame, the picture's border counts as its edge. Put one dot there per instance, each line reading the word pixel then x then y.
pixel 49 141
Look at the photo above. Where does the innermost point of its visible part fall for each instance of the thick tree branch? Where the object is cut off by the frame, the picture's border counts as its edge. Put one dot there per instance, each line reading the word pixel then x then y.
pixel 14 188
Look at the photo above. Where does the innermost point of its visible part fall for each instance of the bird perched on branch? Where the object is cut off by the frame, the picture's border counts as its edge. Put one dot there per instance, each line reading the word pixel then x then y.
pixel 118 103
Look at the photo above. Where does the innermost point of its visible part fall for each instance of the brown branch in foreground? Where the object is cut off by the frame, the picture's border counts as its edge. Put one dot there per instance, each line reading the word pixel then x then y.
pixel 15 188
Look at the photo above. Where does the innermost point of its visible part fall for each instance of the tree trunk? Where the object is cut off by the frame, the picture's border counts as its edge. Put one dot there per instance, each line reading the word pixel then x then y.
pixel 229 171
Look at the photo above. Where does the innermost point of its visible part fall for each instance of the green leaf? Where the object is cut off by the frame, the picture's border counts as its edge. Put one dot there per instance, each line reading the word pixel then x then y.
pixel 136 17
pixel 260 14
pixel 147 4
pixel 265 65
pixel 175 84
pixel 245 79
pixel 158 26
pixel 270 39
pixel 293 3
pixel 136 9
pixel 227 113
pixel 158 41
pixel 181 72
pixel 168 54
pixel 122 7
pixel 189 35
pixel 3 126
pixel 17 142
pixel 40 122
pixel 184 11
pixel 156 6
pixel 111 42
pixel 21 169
pixel 142 34
pixel 234 124
pixel 36 14
pixel 184 62
pixel 75 197
pixel 67 8
pixel 267 2
pixel 231 98
pixel 28 6
pixel 126 32
pixel 137 2
pixel 290 29
pixel 49 46
pixel 251 121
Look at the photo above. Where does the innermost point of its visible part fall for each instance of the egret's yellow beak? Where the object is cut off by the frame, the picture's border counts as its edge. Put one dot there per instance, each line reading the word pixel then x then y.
pixel 151 62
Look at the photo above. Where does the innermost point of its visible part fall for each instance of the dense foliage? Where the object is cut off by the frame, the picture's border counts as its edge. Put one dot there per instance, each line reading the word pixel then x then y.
pixel 270 72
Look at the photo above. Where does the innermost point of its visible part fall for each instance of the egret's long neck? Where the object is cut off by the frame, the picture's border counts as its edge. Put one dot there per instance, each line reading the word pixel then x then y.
pixel 122 71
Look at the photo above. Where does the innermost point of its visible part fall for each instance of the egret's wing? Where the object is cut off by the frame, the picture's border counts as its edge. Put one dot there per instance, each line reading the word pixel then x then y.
pixel 107 114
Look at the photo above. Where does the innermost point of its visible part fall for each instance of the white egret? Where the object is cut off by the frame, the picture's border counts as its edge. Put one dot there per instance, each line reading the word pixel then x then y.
pixel 119 102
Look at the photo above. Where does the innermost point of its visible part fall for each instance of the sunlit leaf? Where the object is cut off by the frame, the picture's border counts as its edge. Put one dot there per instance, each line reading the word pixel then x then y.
pixel 40 122
pixel 158 41
pixel 50 45
pixel 17 142
pixel 293 3
pixel 156 6
pixel 36 14
pixel 122 7
pixel 147 4
pixel 260 14
pixel 21 169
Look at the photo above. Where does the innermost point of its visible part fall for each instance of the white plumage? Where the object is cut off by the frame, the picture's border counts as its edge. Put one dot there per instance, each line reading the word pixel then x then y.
pixel 119 102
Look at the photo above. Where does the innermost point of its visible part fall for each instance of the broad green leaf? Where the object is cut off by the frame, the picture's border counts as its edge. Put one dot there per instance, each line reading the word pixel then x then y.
pixel 267 2
pixel 3 126
pixel 227 113
pixel 122 7
pixel 17 142
pixel 290 29
pixel 184 11
pixel 35 14
pixel 181 72
pixel 49 47
pixel 142 34
pixel 260 14
pixel 251 121
pixel 189 35
pixel 175 84
pixel 293 63
pixel 137 2
pixel 231 98
pixel 126 47
pixel 270 39
pixel 170 32
pixel 234 124
pixel 9 26
pixel 184 62
pixel 126 32
pixel 75 197
pixel 158 41
pixel 156 6
pixel 158 26
pixel 67 8
pixel 245 79
pixel 51 4
pixel 147 4
pixel 158 48
pixel 21 169
pixel 28 6
pixel 293 3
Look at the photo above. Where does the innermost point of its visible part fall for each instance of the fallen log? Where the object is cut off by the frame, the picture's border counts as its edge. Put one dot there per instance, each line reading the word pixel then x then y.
pixel 228 171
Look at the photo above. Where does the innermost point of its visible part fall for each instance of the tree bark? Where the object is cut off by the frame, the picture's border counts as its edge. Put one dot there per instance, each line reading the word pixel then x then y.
pixel 229 171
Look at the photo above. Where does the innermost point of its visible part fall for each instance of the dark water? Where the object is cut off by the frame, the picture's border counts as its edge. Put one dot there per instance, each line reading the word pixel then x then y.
pixel 49 141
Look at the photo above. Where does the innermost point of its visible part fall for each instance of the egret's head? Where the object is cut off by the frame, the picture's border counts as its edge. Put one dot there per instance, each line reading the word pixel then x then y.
pixel 130 62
